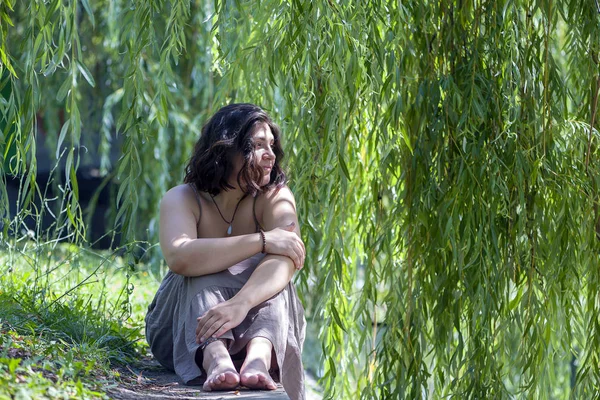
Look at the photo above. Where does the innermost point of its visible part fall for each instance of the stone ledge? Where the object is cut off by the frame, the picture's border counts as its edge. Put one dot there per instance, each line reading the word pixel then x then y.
pixel 197 393
pixel 154 382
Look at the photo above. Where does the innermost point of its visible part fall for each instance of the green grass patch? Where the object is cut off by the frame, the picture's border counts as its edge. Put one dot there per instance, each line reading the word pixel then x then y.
pixel 37 367
pixel 69 317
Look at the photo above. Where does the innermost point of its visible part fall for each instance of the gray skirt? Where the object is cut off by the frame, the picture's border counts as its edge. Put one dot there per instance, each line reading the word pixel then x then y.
pixel 171 324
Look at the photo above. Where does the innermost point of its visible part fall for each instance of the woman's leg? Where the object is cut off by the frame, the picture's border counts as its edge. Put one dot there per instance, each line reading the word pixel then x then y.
pixel 255 370
pixel 221 374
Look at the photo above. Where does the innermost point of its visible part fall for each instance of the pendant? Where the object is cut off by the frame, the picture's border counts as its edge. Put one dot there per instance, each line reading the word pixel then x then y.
pixel 229 230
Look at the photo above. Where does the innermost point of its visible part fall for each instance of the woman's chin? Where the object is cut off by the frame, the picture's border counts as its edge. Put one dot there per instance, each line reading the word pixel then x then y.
pixel 266 180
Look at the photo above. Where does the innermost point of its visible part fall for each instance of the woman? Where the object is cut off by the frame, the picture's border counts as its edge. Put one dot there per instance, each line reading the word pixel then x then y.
pixel 231 239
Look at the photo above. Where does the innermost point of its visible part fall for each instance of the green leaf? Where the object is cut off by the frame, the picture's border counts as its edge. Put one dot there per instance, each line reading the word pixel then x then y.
pixel 337 318
pixel 61 137
pixel 344 166
pixel 89 11
pixel 7 19
pixel 86 73
pixel 64 89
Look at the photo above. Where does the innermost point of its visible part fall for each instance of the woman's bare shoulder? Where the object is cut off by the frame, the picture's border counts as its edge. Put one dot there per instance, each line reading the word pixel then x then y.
pixel 181 196
pixel 178 193
pixel 273 199
pixel 272 196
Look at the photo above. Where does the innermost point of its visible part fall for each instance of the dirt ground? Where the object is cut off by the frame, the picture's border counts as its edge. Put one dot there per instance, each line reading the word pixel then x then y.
pixel 150 381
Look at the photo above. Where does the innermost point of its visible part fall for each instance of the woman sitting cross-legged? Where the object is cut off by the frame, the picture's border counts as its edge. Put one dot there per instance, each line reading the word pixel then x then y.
pixel 231 239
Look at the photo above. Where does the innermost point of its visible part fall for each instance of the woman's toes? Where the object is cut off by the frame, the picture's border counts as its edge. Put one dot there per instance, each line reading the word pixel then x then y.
pixel 266 382
pixel 258 381
pixel 249 379
pixel 227 380
pixel 230 378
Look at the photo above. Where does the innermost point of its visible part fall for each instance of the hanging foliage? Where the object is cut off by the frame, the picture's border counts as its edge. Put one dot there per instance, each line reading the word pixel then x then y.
pixel 444 158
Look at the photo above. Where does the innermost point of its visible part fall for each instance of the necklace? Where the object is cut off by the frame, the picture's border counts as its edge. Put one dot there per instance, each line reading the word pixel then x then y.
pixel 234 211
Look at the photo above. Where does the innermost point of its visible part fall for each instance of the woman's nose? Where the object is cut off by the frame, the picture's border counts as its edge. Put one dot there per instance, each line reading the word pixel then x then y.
pixel 269 153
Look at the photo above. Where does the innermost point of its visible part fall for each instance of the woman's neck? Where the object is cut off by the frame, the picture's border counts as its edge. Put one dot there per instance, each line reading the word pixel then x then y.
pixel 229 199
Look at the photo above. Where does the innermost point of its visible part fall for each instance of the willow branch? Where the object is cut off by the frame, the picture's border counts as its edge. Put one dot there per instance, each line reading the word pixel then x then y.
pixel 594 109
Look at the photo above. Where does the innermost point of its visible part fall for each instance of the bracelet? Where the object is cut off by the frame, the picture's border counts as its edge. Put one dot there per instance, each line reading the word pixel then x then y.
pixel 264 240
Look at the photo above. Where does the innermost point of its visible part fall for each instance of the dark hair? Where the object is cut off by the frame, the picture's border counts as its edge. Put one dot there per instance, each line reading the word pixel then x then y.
pixel 226 134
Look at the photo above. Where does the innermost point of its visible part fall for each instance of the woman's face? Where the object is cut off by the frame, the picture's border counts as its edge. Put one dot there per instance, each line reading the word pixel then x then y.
pixel 264 157
pixel 262 141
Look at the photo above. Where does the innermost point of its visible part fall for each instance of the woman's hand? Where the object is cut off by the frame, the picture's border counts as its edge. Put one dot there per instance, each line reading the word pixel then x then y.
pixel 286 242
pixel 219 319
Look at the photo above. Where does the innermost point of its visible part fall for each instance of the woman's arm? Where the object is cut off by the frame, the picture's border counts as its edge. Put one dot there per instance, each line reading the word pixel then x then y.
pixel 274 271
pixel 188 255
pixel 270 277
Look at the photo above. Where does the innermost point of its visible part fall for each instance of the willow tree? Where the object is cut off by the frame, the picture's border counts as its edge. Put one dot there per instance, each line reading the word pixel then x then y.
pixel 444 157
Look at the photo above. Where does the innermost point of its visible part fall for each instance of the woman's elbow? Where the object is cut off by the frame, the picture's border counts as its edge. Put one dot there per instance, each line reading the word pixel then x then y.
pixel 176 263
pixel 185 267
pixel 176 255
pixel 290 268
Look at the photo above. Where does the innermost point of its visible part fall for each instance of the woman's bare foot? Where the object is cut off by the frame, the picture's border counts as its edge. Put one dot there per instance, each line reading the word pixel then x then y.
pixel 221 379
pixel 221 374
pixel 254 373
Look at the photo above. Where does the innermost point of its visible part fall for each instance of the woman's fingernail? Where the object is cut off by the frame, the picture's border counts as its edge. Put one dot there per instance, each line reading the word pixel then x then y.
pixel 201 339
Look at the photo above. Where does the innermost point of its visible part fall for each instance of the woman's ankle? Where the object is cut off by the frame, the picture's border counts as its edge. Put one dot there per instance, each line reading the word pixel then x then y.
pixel 258 352
pixel 215 353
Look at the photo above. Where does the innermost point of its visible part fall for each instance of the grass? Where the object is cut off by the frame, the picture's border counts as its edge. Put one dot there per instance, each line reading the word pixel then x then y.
pixel 69 317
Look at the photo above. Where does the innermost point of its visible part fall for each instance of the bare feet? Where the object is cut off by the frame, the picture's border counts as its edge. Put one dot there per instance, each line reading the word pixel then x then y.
pixel 219 368
pixel 254 373
pixel 220 378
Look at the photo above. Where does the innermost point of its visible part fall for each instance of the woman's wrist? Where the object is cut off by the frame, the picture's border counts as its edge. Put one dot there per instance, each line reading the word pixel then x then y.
pixel 240 300
pixel 263 242
pixel 260 242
